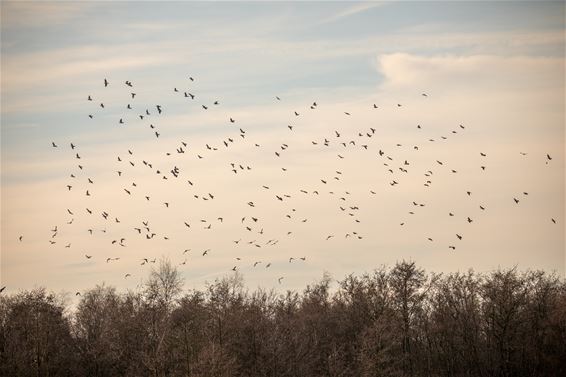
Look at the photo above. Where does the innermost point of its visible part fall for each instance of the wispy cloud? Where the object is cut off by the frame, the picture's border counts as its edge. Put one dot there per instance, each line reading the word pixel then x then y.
pixel 353 10
pixel 35 14
pixel 37 68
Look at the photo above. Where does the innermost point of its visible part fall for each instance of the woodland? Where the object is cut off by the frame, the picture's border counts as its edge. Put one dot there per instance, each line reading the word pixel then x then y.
pixel 394 321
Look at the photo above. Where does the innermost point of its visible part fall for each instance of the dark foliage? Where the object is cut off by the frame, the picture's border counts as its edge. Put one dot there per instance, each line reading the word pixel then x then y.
pixel 392 322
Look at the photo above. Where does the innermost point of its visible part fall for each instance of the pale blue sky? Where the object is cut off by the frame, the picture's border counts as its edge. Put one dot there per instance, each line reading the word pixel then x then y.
pixel 497 66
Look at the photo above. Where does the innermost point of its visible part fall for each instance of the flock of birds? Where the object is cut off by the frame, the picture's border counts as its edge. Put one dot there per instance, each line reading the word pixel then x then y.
pixel 250 223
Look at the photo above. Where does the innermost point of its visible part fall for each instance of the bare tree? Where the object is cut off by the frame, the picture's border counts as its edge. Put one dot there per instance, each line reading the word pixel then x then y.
pixel 161 289
pixel 36 338
pixel 189 335
pixel 164 285
pixel 409 288
pixel 96 319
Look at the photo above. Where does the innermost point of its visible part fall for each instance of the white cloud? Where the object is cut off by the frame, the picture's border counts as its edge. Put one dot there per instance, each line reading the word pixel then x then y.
pixel 476 72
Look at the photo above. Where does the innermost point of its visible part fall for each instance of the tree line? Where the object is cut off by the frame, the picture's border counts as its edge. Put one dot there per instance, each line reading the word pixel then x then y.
pixel 396 321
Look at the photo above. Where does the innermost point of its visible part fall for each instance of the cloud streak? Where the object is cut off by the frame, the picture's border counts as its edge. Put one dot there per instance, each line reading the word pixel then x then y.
pixel 17 14
pixel 353 10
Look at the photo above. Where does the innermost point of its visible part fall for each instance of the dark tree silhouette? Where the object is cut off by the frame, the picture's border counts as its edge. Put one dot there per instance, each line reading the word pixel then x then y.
pixel 35 336
pixel 397 321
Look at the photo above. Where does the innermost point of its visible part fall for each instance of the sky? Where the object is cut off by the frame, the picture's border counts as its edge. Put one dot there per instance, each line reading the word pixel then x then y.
pixel 451 115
